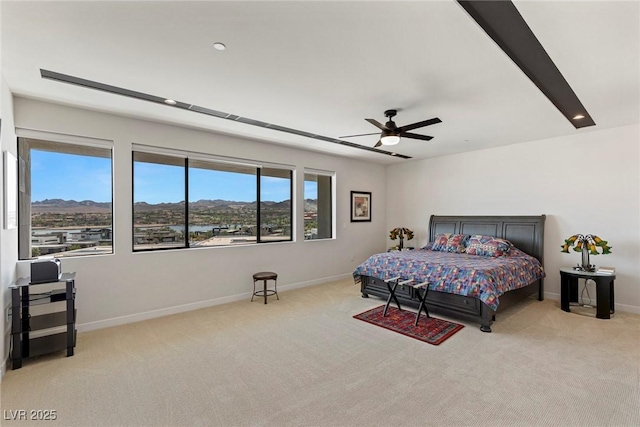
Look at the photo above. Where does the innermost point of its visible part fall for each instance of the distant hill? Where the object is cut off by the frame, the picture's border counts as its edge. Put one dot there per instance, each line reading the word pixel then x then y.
pixel 89 206
pixel 310 205
pixel 70 206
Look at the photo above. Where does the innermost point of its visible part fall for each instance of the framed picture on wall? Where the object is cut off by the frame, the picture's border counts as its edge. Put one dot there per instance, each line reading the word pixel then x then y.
pixel 360 206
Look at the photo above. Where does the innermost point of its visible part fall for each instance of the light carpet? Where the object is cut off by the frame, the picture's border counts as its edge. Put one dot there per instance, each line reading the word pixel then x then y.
pixel 304 361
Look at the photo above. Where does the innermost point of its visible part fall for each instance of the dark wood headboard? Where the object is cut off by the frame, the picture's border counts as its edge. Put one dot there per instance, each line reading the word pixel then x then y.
pixel 525 232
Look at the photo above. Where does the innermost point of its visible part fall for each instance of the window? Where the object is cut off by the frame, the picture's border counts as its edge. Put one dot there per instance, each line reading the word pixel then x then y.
pixel 222 204
pixel 275 204
pixel 318 205
pixel 192 200
pixel 159 214
pixel 65 199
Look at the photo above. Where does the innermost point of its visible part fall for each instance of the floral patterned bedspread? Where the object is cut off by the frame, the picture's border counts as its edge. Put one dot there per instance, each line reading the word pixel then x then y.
pixel 478 276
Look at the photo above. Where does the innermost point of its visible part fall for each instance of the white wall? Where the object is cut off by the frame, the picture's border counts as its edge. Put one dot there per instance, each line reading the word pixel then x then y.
pixel 8 238
pixel 129 286
pixel 585 183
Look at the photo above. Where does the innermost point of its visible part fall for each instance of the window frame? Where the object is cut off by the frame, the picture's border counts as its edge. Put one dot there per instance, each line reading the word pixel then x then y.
pixel 258 210
pixel 332 176
pixel 213 159
pixel 133 210
pixel 25 141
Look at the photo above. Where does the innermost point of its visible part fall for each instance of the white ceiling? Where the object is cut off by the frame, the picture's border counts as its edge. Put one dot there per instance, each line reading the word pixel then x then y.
pixel 323 67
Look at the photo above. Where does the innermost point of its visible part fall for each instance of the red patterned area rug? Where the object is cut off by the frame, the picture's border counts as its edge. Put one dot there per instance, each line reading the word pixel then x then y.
pixel 431 330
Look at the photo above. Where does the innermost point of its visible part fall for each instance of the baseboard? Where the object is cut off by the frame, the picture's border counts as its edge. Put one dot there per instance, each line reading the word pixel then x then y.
pixel 551 295
pixel 131 318
pixel 315 282
pixel 619 307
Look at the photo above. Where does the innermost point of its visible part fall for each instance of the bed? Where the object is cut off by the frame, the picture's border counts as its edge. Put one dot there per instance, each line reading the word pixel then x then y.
pixel 456 278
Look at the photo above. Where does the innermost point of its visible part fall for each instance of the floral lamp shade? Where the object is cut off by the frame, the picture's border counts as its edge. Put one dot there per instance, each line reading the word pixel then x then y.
pixel 401 233
pixel 588 245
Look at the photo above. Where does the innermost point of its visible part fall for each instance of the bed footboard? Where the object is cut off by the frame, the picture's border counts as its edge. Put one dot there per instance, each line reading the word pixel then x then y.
pixel 458 306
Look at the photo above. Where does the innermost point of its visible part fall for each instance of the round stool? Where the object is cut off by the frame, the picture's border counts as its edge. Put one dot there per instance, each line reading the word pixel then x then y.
pixel 264 276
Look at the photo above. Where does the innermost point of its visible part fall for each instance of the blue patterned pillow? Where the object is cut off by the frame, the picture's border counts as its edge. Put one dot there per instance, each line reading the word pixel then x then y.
pixel 487 246
pixel 440 242
pixel 450 242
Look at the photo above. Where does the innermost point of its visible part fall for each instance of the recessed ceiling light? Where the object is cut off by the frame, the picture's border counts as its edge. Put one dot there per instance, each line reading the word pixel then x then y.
pixel 170 102
pixel 219 46
pixel 394 154
pixel 578 117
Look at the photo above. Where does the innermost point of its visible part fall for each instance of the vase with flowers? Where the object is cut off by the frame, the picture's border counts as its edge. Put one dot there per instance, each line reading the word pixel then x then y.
pixel 588 245
pixel 400 233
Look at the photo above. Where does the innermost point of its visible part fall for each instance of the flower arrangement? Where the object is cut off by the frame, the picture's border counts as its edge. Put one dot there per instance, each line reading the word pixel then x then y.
pixel 401 233
pixel 588 245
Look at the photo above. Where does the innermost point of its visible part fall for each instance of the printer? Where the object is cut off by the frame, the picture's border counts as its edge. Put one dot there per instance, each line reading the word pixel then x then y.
pixel 46 270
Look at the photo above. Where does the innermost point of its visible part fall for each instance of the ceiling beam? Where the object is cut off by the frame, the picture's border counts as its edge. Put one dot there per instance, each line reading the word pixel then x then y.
pixel 504 24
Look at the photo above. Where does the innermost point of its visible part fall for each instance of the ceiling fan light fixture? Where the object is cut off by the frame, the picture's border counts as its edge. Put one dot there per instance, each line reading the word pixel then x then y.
pixel 390 139
pixel 391 133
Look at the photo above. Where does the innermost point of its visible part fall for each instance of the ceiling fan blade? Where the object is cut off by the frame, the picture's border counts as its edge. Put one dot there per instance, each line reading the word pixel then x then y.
pixel 362 134
pixel 377 124
pixel 416 136
pixel 420 124
pixel 378 144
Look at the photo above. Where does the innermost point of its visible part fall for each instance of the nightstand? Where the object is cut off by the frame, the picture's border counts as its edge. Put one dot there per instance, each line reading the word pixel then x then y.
pixel 410 248
pixel 604 290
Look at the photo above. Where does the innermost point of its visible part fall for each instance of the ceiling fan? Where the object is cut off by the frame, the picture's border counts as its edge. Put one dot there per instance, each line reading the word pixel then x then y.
pixel 391 133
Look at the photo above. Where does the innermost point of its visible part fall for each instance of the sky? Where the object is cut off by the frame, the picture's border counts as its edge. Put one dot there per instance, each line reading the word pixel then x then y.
pixel 69 177
pixel 75 177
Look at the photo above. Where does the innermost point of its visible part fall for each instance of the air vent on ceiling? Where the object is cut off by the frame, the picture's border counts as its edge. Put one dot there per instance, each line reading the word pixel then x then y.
pixel 64 78
pixel 252 122
pixel 292 131
pixel 208 111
